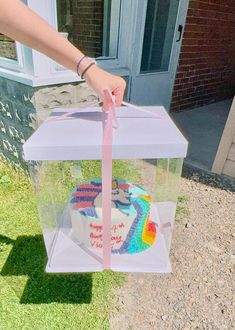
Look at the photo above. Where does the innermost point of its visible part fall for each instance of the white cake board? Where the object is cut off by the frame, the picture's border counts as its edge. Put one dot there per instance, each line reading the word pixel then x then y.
pixel 67 256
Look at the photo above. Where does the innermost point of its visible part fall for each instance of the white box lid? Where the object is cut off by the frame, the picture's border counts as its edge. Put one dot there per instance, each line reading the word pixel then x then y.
pixel 139 135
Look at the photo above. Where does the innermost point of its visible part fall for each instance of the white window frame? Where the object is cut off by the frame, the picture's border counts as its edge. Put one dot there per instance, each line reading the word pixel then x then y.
pixel 35 69
pixel 13 64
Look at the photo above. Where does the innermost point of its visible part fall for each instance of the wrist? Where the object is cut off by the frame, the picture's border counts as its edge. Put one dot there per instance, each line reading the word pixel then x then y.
pixel 91 73
pixel 83 65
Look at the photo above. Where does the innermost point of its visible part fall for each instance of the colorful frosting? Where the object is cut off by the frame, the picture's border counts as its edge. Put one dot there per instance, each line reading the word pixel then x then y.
pixel 127 198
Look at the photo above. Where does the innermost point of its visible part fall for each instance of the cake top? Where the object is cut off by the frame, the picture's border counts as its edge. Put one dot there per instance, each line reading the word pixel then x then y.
pixel 87 198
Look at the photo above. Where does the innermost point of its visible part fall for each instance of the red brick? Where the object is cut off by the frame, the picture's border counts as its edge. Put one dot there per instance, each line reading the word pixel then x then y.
pixel 88 25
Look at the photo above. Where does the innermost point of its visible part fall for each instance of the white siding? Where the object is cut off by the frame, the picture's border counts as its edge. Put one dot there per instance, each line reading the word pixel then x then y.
pixel 225 158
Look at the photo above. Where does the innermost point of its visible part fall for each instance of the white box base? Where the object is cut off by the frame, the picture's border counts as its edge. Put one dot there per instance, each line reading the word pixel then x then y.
pixel 67 256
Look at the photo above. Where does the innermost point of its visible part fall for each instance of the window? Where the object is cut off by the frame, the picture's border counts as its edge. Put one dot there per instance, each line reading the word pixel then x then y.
pixel 91 25
pixel 7 47
pixel 158 35
pixel 10 54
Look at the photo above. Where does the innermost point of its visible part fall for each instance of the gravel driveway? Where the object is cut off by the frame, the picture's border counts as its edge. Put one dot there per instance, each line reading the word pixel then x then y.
pixel 198 293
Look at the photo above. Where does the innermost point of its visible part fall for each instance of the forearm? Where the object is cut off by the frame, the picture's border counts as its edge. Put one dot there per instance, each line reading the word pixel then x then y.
pixel 22 24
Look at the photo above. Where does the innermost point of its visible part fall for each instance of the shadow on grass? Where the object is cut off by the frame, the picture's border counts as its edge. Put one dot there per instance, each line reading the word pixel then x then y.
pixel 28 257
pixel 6 240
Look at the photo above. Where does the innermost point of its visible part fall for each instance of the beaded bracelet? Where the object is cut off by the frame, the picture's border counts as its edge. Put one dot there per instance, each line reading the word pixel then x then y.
pixel 79 62
pixel 87 68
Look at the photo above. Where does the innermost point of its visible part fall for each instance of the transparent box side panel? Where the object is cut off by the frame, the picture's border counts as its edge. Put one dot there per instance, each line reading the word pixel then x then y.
pixel 144 196
pixel 66 192
pixel 166 191
pixel 143 203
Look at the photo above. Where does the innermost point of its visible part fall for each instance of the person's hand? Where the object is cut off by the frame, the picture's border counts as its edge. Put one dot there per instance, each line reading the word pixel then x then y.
pixel 100 80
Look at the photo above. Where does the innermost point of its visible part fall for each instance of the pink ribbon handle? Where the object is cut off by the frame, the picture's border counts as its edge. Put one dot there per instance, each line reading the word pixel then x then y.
pixel 107 179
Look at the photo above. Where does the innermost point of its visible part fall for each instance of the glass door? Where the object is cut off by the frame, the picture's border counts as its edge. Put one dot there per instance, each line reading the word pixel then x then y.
pixel 156 48
pixel 158 35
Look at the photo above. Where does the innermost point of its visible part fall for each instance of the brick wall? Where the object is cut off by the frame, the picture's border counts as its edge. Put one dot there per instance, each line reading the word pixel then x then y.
pixel 87 26
pixel 206 70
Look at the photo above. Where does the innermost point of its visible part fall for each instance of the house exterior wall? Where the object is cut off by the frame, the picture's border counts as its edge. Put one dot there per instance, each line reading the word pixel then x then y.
pixel 206 68
pixel 23 108
pixel 229 166
pixel 17 119
pixel 225 157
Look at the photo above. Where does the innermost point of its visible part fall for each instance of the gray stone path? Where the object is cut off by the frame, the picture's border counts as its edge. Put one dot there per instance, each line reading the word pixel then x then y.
pixel 198 293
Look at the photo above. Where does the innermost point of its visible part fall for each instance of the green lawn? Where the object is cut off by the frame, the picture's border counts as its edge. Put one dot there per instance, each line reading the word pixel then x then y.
pixel 30 298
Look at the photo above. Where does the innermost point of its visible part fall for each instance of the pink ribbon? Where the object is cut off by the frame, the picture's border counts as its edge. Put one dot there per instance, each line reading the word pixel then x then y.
pixel 69 113
pixel 107 179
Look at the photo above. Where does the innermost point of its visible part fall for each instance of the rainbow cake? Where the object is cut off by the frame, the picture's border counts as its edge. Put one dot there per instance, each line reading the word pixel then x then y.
pixel 132 231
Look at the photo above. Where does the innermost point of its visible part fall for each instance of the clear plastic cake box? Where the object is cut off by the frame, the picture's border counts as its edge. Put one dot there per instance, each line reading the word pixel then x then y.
pixel 64 158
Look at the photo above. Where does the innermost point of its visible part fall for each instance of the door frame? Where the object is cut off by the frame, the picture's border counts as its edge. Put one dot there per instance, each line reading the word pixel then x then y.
pixel 138 21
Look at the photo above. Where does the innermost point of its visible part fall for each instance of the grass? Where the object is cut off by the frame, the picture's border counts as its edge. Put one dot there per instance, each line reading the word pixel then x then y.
pixel 181 206
pixel 30 298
